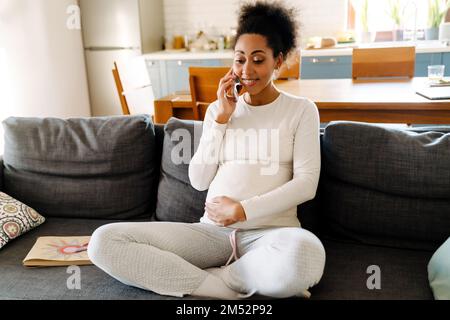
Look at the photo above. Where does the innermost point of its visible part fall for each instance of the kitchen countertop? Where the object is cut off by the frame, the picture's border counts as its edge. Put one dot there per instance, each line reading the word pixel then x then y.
pixel 340 50
pixel 346 50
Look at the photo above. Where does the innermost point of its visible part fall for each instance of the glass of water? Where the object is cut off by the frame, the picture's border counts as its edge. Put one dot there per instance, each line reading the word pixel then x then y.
pixel 436 72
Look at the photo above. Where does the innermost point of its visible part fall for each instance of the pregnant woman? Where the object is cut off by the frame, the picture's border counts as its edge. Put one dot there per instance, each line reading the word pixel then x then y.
pixel 259 158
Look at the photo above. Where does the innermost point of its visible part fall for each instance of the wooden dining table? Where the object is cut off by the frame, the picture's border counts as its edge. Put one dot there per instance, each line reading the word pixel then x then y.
pixel 392 100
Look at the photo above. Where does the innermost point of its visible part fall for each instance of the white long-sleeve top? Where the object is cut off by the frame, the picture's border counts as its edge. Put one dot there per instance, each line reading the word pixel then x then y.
pixel 267 157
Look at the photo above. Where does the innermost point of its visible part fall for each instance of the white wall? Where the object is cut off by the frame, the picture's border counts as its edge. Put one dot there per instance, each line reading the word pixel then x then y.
pixel 318 17
pixel 322 18
pixel 42 69
pixel 152 24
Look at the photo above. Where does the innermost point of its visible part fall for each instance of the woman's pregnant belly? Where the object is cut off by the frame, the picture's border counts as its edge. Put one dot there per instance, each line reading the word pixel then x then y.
pixel 240 181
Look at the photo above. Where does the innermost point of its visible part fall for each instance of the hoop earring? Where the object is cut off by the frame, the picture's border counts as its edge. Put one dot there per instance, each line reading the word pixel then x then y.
pixel 275 75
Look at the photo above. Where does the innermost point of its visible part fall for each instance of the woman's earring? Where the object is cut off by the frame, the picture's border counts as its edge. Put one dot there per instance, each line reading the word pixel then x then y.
pixel 275 75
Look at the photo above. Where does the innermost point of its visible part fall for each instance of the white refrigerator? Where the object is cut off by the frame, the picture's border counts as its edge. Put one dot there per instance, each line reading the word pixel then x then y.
pixel 114 30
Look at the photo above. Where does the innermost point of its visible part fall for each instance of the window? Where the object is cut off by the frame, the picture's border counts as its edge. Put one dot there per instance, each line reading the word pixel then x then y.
pixel 412 15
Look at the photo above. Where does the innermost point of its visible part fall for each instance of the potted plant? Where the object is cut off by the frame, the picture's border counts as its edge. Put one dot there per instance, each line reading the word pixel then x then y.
pixel 365 35
pixel 436 13
pixel 395 13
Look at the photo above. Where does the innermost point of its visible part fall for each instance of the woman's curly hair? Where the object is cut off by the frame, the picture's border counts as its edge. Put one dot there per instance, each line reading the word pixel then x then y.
pixel 274 21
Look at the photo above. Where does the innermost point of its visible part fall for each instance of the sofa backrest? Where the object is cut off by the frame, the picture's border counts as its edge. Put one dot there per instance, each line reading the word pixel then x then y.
pixel 100 168
pixel 386 186
pixel 378 185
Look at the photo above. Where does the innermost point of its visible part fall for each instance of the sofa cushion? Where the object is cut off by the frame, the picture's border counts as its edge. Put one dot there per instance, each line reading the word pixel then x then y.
pixel 101 167
pixel 403 272
pixel 350 267
pixel 16 218
pixel 18 282
pixel 177 200
pixel 386 186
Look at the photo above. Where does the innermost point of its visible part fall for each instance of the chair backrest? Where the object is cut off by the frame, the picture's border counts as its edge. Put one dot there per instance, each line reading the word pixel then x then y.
pixel 383 62
pixel 119 86
pixel 290 69
pixel 134 86
pixel 204 82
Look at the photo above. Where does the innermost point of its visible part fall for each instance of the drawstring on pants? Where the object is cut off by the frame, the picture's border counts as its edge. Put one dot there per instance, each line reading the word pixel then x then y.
pixel 234 254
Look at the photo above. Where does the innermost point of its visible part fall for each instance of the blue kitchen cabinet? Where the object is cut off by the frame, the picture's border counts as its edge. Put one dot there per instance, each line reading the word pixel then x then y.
pixel 446 62
pixel 336 67
pixel 170 76
pixel 154 70
pixel 423 60
pixel 326 67
pixel 178 72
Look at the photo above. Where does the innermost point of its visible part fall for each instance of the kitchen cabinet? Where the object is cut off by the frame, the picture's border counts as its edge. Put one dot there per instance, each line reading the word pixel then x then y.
pixel 446 62
pixel 423 60
pixel 178 72
pixel 154 71
pixel 169 76
pixel 326 67
pixel 336 67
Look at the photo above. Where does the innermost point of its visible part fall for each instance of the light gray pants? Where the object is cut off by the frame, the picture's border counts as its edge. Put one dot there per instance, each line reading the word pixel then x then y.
pixel 168 258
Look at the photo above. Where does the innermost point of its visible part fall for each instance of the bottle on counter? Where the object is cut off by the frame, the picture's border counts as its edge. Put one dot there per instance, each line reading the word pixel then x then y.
pixel 221 43
pixel 168 43
pixel 187 41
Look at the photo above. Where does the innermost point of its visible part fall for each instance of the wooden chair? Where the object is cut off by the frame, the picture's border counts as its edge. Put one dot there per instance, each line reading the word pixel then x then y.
pixel 383 62
pixel 119 86
pixel 290 69
pixel 204 82
pixel 134 86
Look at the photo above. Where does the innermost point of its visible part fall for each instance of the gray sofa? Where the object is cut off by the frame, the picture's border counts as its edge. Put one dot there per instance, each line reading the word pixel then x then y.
pixel 383 200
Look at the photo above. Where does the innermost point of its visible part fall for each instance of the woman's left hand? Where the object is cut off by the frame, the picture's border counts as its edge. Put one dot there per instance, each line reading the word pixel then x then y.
pixel 224 211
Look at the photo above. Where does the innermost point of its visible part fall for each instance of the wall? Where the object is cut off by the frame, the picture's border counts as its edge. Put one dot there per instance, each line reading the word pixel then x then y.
pixel 42 69
pixel 152 30
pixel 190 16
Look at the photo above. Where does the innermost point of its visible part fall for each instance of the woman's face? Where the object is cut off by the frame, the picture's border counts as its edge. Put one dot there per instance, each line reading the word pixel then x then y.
pixel 254 63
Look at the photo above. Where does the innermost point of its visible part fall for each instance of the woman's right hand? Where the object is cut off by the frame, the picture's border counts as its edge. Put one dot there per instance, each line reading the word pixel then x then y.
pixel 227 104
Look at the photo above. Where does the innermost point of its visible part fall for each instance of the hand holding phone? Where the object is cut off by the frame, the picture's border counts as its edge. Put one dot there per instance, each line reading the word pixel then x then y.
pixel 227 95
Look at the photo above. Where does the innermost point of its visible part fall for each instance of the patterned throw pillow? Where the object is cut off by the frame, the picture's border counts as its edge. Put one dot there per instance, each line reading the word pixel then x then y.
pixel 16 218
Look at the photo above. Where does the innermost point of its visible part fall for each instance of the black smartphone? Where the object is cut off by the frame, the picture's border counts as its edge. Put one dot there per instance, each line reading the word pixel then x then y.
pixel 237 87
